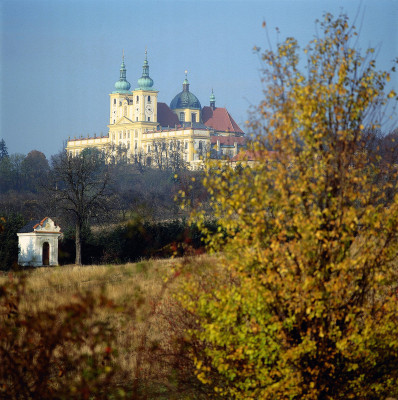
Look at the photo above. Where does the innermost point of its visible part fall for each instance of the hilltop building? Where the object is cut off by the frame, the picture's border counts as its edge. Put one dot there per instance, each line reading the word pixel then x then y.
pixel 139 125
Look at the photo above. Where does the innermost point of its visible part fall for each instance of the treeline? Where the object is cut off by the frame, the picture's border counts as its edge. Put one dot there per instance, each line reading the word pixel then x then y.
pixel 135 240
pixel 140 217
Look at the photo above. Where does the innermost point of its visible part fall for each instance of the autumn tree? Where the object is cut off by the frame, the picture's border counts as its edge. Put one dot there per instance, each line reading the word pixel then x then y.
pixel 306 306
pixel 80 187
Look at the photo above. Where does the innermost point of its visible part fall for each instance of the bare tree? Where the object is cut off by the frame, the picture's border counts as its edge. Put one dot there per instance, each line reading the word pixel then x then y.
pixel 80 187
pixel 160 154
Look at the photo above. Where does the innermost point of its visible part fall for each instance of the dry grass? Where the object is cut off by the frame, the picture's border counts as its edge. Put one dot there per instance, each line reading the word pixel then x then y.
pixel 49 287
pixel 149 324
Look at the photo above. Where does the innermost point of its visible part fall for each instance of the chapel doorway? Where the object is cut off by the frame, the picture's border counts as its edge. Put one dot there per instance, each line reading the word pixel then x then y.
pixel 46 253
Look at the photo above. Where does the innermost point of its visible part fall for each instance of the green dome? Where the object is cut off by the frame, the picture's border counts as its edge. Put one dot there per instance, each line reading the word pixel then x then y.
pixel 212 97
pixel 122 85
pixel 185 99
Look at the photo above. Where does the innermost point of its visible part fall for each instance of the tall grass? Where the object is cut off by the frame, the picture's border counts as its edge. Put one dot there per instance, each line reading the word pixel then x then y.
pixel 147 349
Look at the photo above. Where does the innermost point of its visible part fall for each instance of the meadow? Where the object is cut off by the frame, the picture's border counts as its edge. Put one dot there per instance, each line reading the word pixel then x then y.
pixel 99 331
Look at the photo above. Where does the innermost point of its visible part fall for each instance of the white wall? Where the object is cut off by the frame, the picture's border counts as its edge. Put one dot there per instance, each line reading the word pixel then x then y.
pixel 31 248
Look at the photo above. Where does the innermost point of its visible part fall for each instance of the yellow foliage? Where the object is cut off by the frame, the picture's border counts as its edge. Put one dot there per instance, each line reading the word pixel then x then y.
pixel 306 309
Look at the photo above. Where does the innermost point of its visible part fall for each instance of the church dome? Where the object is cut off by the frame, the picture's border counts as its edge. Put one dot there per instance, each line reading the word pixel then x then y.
pixel 185 99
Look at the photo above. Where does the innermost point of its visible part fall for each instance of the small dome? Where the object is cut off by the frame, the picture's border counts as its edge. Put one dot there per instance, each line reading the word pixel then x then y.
pixel 145 83
pixel 185 99
pixel 122 86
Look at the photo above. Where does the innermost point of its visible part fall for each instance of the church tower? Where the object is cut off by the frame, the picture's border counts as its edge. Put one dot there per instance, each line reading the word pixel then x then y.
pixel 120 97
pixel 145 99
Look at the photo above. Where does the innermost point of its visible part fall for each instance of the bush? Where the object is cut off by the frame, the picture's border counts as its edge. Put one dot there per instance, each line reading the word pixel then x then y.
pixel 10 224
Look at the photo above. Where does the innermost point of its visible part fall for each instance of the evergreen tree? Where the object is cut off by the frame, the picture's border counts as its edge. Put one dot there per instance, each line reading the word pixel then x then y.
pixel 3 149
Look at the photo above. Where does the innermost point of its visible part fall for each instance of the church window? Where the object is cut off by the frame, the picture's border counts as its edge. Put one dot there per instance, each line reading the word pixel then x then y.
pixel 114 101
pixel 149 118
pixel 120 103
pixel 149 99
pixel 186 145
pixel 193 116
pixel 136 145
pixel 149 148
pixel 182 116
pixel 200 145
pixel 114 121
pixel 138 99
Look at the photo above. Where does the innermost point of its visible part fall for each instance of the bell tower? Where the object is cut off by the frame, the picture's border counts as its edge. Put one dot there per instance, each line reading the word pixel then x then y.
pixel 145 99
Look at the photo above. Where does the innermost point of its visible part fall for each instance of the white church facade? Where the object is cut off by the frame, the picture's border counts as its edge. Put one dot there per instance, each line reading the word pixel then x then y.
pixel 141 125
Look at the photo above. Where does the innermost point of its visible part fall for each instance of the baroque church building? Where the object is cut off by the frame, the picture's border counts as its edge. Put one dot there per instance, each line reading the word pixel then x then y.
pixel 140 126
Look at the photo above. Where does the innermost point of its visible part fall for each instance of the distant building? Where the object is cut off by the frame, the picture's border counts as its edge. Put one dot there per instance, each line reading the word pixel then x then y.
pixel 139 124
pixel 38 243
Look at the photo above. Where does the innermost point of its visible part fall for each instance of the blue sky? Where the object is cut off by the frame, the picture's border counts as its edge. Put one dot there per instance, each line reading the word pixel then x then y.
pixel 61 58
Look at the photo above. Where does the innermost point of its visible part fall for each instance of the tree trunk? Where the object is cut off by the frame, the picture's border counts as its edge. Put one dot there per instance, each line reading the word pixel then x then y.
pixel 78 245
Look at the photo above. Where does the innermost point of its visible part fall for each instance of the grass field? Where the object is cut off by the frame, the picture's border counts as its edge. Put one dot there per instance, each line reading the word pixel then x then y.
pixel 148 326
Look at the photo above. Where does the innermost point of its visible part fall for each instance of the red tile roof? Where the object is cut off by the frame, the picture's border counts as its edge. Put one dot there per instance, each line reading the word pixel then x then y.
pixel 220 120
pixel 228 140
pixel 166 117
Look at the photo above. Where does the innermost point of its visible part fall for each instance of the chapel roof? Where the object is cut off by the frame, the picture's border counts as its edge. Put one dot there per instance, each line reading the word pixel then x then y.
pixel 166 117
pixel 29 227
pixel 220 120
pixel 32 225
